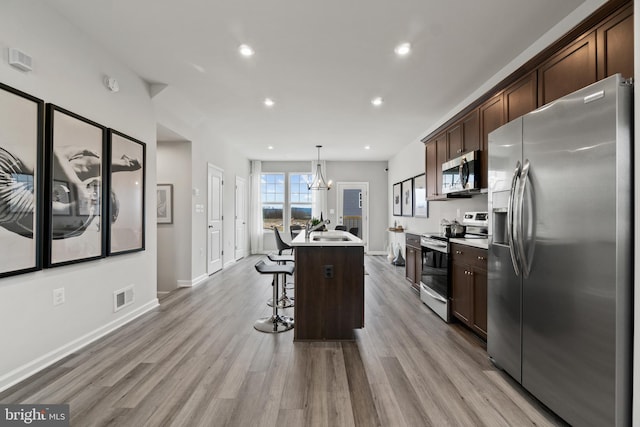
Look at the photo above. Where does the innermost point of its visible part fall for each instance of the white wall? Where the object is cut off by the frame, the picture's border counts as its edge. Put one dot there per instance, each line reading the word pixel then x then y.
pixel 208 149
pixel 174 240
pixel 68 71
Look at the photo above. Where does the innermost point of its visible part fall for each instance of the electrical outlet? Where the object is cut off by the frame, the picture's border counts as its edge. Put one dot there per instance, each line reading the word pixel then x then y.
pixel 328 271
pixel 58 296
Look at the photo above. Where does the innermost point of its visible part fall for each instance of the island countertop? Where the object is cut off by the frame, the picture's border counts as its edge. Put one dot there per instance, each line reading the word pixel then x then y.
pixel 327 238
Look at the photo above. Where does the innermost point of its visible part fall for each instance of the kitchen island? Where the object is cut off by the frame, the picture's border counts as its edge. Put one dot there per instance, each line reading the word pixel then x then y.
pixel 329 281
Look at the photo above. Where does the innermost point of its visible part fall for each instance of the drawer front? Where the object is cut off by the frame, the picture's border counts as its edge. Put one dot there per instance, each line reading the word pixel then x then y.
pixel 413 240
pixel 474 257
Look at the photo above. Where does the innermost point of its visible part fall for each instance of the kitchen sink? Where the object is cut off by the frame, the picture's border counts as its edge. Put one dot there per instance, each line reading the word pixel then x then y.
pixel 331 239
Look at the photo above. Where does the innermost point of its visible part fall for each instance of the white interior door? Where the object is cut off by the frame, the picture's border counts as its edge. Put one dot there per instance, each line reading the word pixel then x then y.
pixel 214 219
pixel 353 208
pixel 241 217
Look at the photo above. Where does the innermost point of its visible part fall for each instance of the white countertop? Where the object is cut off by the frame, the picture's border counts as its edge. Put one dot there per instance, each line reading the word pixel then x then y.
pixel 476 243
pixel 327 238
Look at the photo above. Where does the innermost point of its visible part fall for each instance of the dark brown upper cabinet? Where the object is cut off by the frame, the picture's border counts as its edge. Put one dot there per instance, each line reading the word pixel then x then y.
pixel 471 132
pixel 454 141
pixel 521 97
pixel 464 136
pixel 435 156
pixel 573 68
pixel 430 168
pixel 615 45
pixel 491 118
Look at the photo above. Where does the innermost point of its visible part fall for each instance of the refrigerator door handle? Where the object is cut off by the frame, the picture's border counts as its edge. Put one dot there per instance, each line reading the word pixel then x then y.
pixel 520 241
pixel 510 217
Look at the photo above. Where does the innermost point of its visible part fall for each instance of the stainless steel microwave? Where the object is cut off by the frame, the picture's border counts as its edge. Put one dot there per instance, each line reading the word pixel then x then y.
pixel 461 174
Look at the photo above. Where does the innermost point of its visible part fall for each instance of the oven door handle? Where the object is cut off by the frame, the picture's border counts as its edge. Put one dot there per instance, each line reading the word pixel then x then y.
pixel 433 295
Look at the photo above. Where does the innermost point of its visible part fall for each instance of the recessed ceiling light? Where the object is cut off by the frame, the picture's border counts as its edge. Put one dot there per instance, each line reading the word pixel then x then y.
pixel 245 50
pixel 403 49
pixel 269 102
pixel 270 147
pixel 377 101
pixel 367 147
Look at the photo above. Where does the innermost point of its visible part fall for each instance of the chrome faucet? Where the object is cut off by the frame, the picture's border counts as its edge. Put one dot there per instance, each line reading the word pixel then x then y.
pixel 308 228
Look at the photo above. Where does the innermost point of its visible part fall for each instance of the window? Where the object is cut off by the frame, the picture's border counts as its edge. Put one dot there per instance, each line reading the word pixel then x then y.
pixel 299 198
pixel 272 190
pixel 285 205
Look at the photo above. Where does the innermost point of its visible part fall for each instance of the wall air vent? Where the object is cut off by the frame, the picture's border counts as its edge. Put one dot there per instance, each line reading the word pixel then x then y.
pixel 20 60
pixel 122 298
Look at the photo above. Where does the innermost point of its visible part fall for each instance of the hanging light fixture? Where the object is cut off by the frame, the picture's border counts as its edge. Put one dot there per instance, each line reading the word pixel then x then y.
pixel 319 182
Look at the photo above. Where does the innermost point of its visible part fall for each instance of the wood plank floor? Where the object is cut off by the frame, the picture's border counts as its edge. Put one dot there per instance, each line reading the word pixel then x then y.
pixel 197 361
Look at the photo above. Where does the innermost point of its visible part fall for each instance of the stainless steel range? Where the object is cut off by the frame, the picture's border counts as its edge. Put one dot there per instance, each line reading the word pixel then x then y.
pixel 435 280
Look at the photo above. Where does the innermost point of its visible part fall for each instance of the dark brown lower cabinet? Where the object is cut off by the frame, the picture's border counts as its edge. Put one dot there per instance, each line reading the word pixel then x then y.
pixel 413 266
pixel 469 287
pixel 329 295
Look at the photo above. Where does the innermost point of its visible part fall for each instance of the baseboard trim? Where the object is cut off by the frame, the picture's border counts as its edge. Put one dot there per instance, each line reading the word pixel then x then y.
pixel 193 282
pixel 25 371
pixel 377 253
pixel 229 263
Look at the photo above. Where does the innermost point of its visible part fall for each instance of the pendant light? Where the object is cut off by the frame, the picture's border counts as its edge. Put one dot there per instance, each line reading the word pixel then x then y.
pixel 319 182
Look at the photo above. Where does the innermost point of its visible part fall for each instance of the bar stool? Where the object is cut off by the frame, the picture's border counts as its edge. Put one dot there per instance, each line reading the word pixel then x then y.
pixel 275 323
pixel 284 301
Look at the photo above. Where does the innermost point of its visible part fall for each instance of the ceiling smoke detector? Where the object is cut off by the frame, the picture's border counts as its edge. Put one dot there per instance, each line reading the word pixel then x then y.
pixel 111 84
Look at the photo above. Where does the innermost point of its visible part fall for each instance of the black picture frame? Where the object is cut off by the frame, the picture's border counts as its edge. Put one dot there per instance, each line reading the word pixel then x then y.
pixel 75 155
pixel 407 197
pixel 126 193
pixel 420 204
pixel 396 199
pixel 21 181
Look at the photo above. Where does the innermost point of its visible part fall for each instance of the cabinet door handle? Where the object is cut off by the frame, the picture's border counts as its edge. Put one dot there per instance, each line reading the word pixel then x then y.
pixel 481 258
pixel 459 252
pixel 459 150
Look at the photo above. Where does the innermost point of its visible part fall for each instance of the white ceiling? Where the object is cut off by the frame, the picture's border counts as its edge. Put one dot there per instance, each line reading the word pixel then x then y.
pixel 320 61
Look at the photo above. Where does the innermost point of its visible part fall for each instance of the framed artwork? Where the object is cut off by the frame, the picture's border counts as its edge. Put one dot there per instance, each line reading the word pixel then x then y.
pixel 74 188
pixel 397 196
pixel 165 203
pixel 407 197
pixel 21 189
pixel 127 158
pixel 420 196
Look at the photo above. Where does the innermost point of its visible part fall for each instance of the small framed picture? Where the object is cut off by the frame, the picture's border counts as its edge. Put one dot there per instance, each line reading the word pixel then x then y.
pixel 165 203
pixel 420 196
pixel 397 196
pixel 126 193
pixel 407 197
pixel 74 188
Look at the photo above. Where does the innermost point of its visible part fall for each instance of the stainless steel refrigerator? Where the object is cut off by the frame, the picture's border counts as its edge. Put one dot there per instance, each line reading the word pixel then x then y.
pixel 560 253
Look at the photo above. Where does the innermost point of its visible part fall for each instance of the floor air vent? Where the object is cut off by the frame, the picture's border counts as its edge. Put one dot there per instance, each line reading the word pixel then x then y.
pixel 122 298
